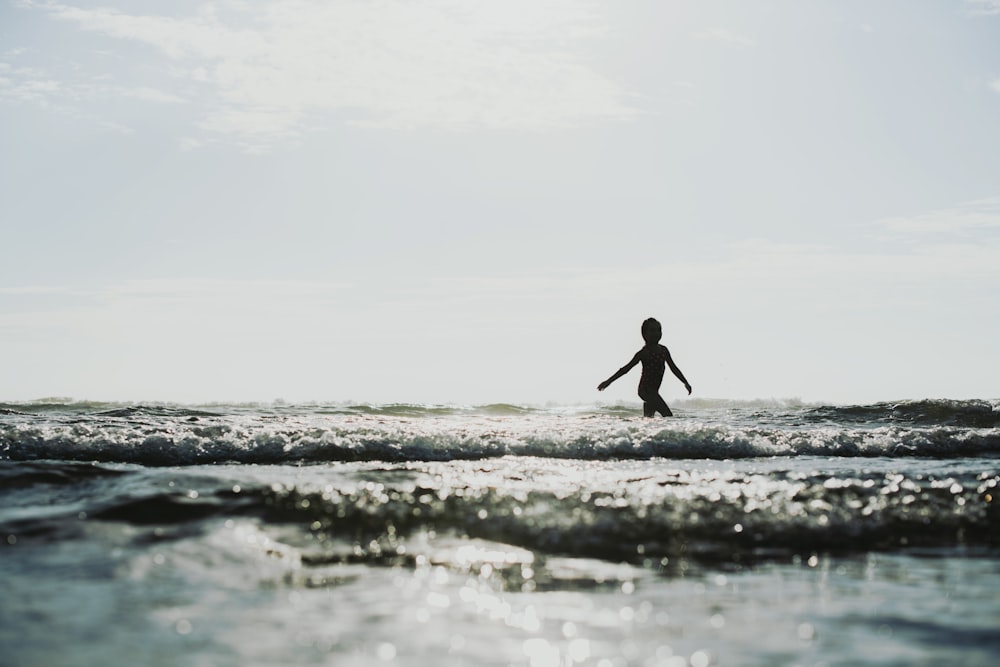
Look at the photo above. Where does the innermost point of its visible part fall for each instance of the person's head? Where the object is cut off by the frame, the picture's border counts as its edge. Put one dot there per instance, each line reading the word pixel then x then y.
pixel 651 331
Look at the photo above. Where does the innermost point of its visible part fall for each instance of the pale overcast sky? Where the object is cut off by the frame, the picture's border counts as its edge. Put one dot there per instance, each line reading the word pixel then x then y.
pixel 469 201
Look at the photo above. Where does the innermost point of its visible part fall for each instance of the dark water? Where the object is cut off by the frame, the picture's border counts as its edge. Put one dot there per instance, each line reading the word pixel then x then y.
pixel 739 533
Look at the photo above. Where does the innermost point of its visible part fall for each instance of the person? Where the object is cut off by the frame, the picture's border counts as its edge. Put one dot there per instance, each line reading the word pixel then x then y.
pixel 653 358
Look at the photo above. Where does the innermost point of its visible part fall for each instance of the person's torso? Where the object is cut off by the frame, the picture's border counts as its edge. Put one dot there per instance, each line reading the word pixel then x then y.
pixel 654 360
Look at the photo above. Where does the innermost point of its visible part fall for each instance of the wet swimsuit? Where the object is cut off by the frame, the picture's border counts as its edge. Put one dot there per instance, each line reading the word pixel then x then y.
pixel 654 360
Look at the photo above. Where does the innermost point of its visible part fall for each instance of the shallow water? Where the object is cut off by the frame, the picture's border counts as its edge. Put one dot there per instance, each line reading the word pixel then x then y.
pixel 750 534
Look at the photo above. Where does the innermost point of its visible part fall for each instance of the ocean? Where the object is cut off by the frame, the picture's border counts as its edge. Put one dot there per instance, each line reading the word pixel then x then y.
pixel 737 533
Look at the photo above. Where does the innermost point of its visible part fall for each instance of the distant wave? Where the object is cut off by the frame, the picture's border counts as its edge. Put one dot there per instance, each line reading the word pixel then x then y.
pixel 126 409
pixel 974 413
pixel 980 413
pixel 158 435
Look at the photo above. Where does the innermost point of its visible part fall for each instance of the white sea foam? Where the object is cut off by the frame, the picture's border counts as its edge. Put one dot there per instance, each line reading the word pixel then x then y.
pixel 176 436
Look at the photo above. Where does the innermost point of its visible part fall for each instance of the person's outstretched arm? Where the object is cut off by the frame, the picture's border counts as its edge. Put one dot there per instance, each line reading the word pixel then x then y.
pixel 621 371
pixel 676 371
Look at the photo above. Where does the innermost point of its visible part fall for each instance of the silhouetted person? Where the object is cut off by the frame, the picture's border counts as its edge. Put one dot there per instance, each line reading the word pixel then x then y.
pixel 653 358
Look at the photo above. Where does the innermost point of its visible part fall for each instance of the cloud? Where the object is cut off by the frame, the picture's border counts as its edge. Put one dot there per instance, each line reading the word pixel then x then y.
pixel 34 84
pixel 35 290
pixel 972 218
pixel 202 289
pixel 995 85
pixel 25 84
pixel 726 37
pixel 259 122
pixel 984 7
pixel 226 304
pixel 191 289
pixel 188 144
pixel 276 69
pixel 151 95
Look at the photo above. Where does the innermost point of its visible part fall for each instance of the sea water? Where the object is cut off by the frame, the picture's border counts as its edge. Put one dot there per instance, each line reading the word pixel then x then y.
pixel 759 533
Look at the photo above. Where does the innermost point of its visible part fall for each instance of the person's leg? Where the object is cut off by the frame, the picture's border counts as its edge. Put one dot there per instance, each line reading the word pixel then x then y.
pixel 662 407
pixel 650 401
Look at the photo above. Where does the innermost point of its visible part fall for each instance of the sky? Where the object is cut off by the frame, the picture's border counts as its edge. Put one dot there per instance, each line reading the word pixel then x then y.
pixel 475 201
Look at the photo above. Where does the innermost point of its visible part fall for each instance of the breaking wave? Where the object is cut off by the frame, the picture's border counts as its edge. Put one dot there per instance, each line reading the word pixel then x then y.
pixel 177 436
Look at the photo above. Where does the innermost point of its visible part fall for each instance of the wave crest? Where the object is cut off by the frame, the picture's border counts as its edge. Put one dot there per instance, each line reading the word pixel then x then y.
pixel 186 439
